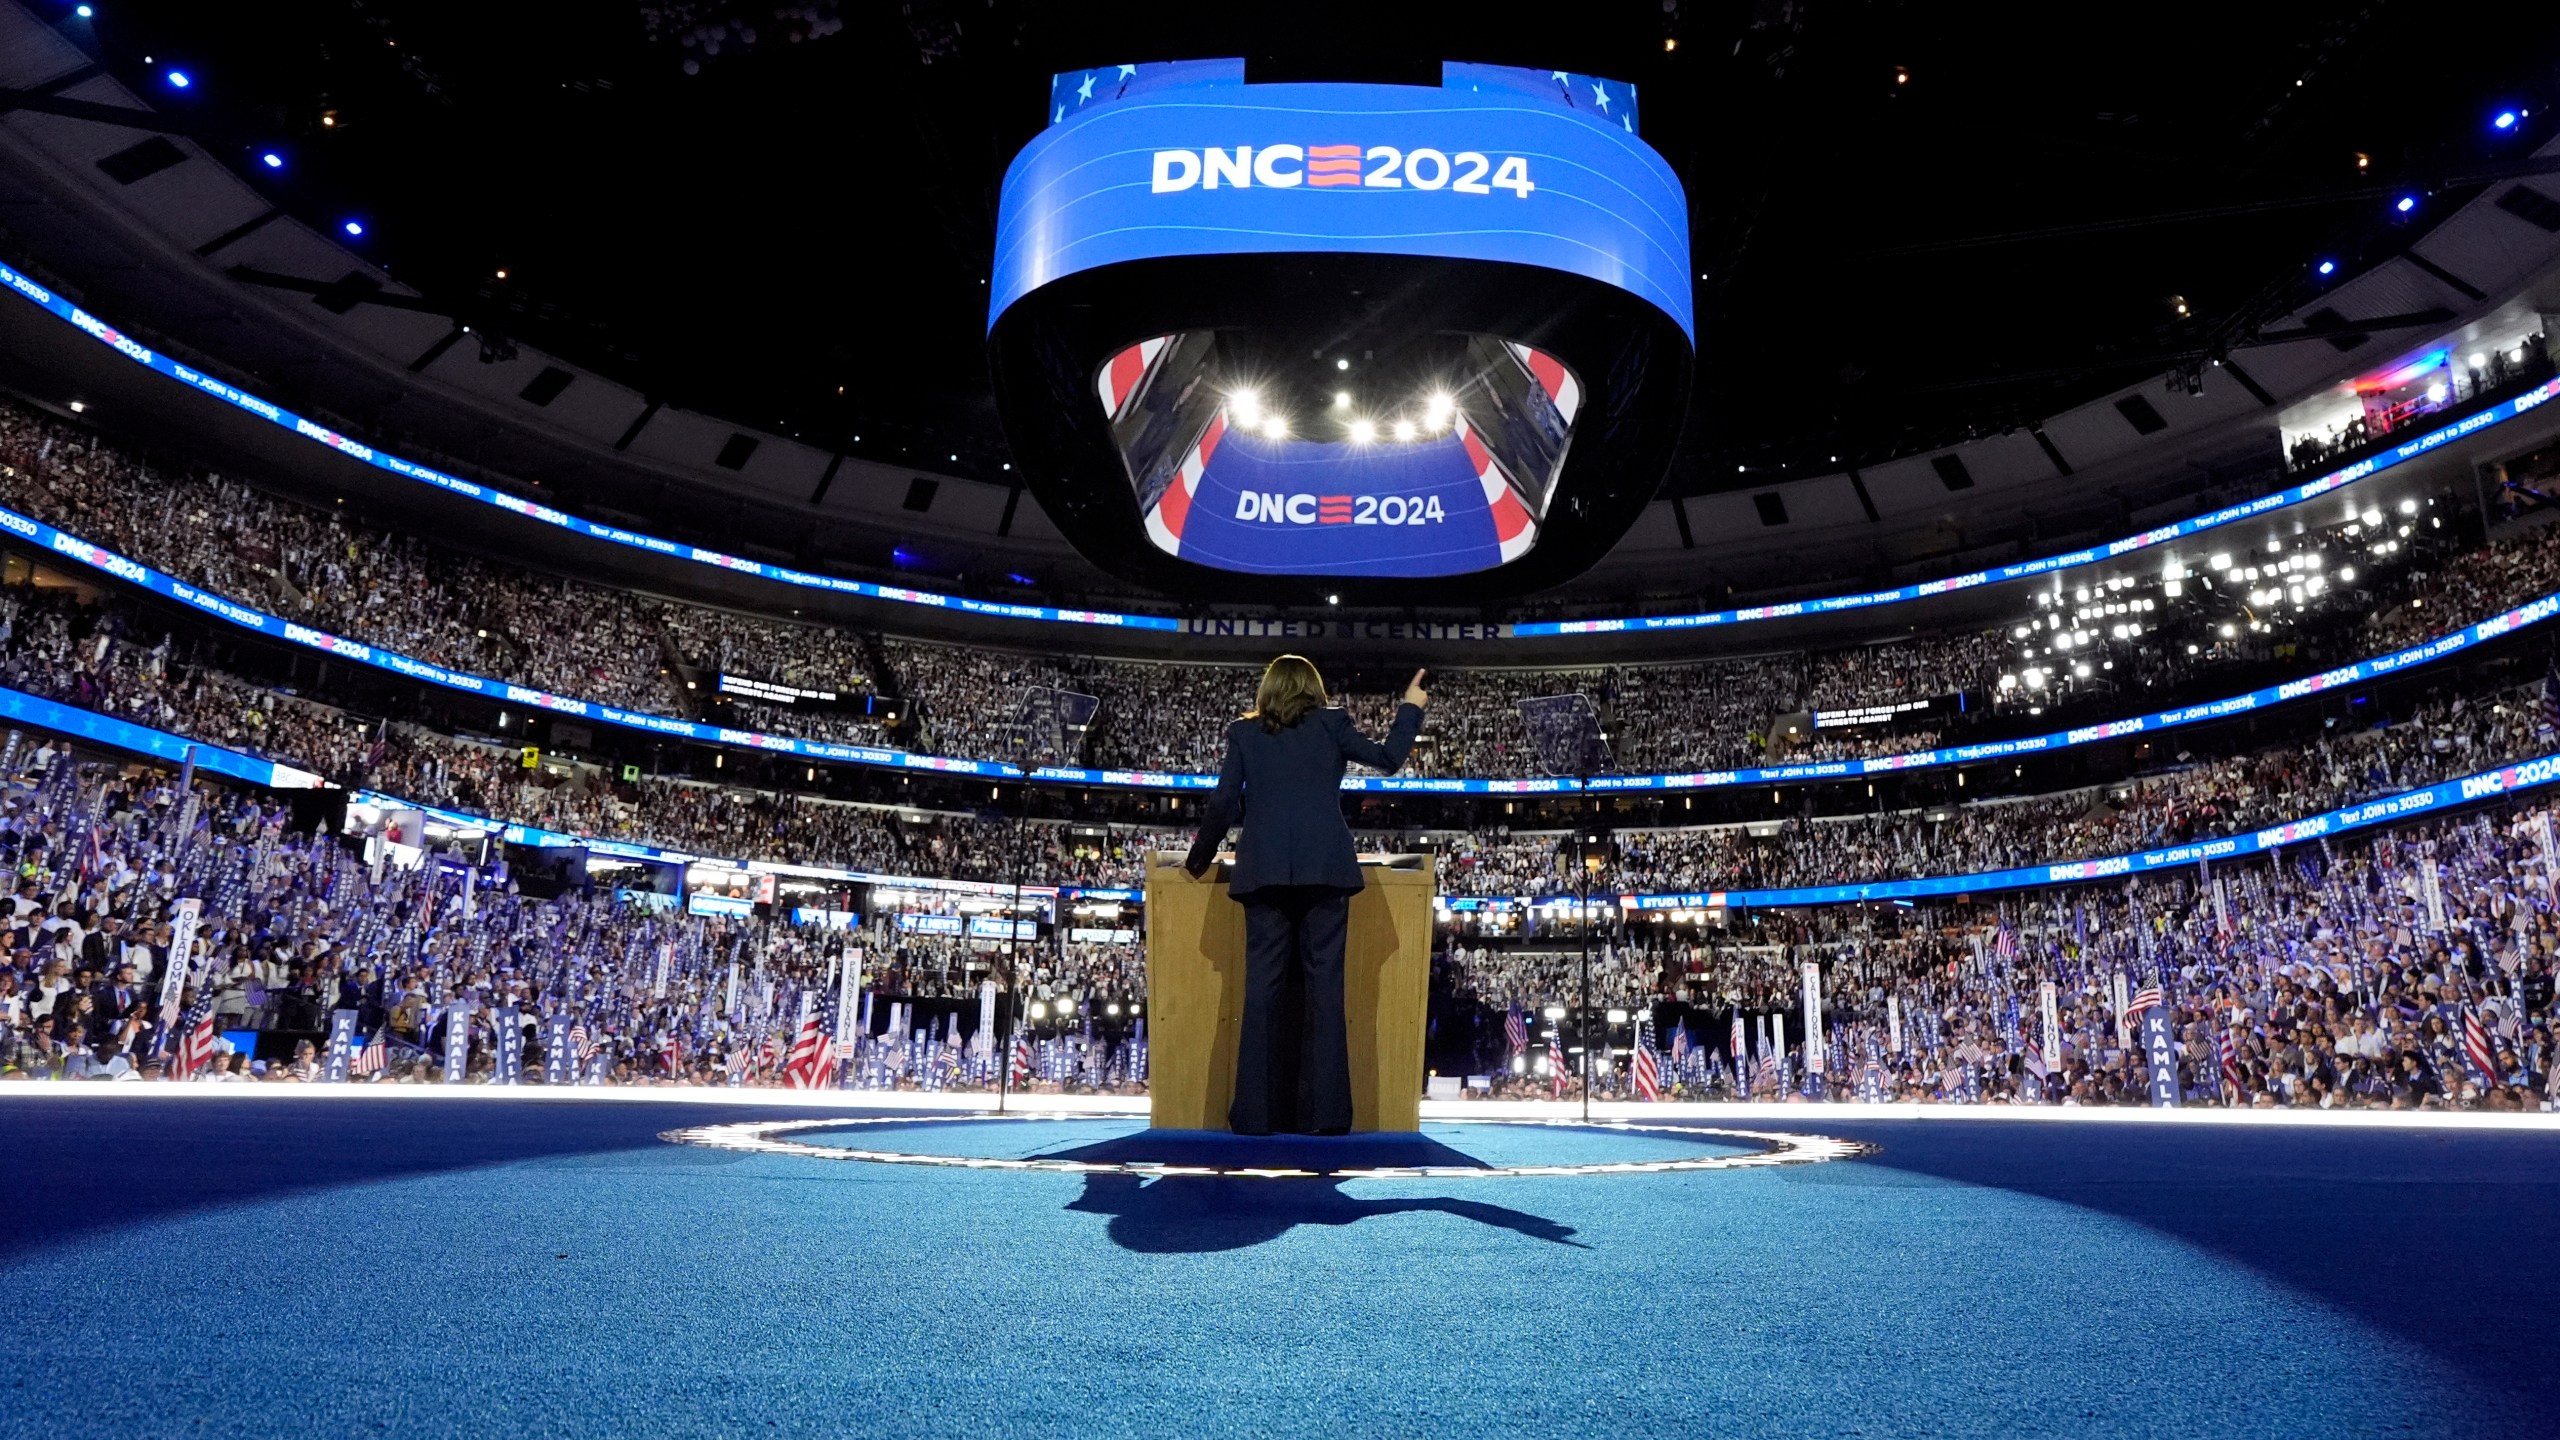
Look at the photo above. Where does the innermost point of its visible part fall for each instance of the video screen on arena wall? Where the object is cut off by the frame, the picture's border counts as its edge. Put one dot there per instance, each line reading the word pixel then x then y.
pixel 1361 431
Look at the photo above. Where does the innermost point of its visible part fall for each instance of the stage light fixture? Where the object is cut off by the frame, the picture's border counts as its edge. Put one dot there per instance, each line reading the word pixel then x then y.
pixel 2506 120
pixel 1363 431
pixel 1341 399
pixel 2407 203
pixel 353 227
pixel 83 11
pixel 178 80
pixel 1341 364
pixel 272 160
pixel 1275 428
pixel 1246 406
pixel 1404 430
pixel 2328 267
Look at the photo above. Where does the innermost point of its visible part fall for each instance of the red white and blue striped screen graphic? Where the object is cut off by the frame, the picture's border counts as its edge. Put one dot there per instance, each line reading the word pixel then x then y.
pixel 1441 501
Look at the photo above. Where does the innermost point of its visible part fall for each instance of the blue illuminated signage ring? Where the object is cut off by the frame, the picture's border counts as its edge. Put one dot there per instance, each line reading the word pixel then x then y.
pixel 285 419
pixel 134 572
pixel 2505 780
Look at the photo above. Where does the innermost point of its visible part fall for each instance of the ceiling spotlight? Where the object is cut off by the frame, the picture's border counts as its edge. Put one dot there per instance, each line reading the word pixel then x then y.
pixel 1341 399
pixel 2506 118
pixel 1275 428
pixel 1404 430
pixel 2328 267
pixel 353 227
pixel 1341 364
pixel 503 275
pixel 272 160
pixel 2407 203
pixel 1363 431
pixel 83 11
pixel 1246 405
pixel 178 80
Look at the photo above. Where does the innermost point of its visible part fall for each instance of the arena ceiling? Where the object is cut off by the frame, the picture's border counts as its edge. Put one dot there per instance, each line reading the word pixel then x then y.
pixel 1913 224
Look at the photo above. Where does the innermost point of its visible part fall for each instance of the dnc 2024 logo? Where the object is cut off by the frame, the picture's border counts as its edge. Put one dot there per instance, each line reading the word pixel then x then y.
pixel 1261 507
pixel 1328 167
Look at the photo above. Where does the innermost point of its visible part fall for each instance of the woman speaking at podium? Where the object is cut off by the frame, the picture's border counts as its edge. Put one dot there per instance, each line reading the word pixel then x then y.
pixel 1295 873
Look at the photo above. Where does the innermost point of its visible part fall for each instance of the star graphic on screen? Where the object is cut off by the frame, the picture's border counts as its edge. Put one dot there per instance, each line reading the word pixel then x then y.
pixel 1600 94
pixel 1084 91
pixel 1128 70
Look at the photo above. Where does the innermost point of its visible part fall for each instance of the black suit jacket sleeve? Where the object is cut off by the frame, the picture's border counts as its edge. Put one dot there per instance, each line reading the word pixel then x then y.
pixel 1388 756
pixel 1223 813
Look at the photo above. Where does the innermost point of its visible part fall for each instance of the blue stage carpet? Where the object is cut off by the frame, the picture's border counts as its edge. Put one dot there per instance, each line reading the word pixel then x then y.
pixel 360 1267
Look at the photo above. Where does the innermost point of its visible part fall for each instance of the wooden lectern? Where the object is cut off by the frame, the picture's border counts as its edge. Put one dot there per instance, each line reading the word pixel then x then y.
pixel 1195 992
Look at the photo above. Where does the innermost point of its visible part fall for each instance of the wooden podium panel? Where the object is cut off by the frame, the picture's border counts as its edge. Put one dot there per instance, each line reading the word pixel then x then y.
pixel 1195 993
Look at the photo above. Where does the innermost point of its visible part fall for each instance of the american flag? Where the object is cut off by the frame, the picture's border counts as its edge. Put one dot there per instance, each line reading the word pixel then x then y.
pixel 375 1054
pixel 1679 1044
pixel 671 1051
pixel 2003 941
pixel 1021 1057
pixel 809 1052
pixel 1555 1059
pixel 1648 1066
pixel 1515 1028
pixel 2146 998
pixel 578 1045
pixel 195 1042
pixel 2231 1069
pixel 2475 1046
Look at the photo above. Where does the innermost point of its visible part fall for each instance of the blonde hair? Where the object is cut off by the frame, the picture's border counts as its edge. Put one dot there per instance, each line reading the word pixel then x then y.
pixel 1291 686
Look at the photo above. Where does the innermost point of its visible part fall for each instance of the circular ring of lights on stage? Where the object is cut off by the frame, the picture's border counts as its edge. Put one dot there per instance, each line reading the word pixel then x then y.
pixel 771 1137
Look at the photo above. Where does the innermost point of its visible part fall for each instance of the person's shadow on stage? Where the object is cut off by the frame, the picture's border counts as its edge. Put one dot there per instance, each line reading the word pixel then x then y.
pixel 1185 1214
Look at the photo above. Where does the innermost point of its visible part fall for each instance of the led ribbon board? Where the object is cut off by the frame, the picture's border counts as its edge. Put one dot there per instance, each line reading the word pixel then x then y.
pixel 2505 780
pixel 248 402
pixel 2513 779
pixel 1150 162
pixel 98 557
